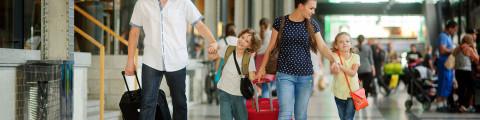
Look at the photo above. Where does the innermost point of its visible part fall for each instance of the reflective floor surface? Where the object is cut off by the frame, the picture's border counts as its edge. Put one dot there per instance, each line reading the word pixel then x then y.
pixel 322 107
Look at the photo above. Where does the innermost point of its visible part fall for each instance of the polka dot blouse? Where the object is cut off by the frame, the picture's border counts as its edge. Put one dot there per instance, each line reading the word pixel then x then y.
pixel 294 55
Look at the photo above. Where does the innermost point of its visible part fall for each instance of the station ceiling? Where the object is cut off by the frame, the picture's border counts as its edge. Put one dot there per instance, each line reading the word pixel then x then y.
pixel 325 8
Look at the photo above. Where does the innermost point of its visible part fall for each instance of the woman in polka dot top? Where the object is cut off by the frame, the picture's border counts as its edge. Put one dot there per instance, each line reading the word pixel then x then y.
pixel 295 71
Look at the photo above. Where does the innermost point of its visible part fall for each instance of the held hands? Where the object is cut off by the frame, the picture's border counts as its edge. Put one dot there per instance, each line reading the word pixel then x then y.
pixel 261 73
pixel 212 48
pixel 334 67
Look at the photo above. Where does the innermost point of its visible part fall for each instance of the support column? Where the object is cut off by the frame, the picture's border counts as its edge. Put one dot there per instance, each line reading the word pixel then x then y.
pixel 289 6
pixel 224 14
pixel 267 9
pixel 116 22
pixel 57 29
pixel 57 48
pixel 239 18
pixel 257 6
pixel 278 8
pixel 434 27
pixel 212 16
pixel 211 19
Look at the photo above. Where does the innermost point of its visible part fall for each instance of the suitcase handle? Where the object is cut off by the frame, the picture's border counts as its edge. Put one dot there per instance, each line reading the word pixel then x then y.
pixel 261 80
pixel 269 92
pixel 125 79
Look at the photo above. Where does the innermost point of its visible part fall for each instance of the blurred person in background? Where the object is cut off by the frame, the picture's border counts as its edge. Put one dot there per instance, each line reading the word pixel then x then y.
pixel 317 69
pixel 413 56
pixel 230 36
pixel 475 66
pixel 464 55
pixel 229 39
pixel 445 76
pixel 366 70
pixel 371 43
pixel 379 59
pixel 473 33
pixel 428 60
pixel 392 55
pixel 265 34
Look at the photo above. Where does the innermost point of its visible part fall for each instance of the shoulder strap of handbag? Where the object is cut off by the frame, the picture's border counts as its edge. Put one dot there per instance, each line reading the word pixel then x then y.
pixel 338 53
pixel 236 64
pixel 280 32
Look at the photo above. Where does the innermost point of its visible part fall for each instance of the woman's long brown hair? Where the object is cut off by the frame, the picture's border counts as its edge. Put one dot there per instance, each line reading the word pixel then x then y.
pixel 311 33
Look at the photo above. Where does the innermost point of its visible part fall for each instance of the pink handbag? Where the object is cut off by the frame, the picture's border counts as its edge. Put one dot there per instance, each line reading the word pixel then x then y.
pixel 358 96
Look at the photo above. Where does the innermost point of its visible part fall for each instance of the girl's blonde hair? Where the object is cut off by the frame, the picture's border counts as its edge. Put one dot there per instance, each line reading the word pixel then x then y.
pixel 468 39
pixel 429 48
pixel 352 49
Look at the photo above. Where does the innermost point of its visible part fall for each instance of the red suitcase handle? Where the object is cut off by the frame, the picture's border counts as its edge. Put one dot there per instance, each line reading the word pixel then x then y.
pixel 261 80
pixel 255 94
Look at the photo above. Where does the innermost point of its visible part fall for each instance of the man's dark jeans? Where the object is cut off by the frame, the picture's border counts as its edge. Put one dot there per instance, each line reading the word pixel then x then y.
pixel 151 79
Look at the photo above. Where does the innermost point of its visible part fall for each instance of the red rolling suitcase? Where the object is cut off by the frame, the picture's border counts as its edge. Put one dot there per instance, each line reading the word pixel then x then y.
pixel 264 108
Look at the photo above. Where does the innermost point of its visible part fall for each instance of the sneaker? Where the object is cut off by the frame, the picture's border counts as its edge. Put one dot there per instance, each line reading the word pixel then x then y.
pixel 470 109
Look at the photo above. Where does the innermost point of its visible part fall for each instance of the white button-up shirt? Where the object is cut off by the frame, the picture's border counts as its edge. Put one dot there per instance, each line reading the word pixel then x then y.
pixel 165 31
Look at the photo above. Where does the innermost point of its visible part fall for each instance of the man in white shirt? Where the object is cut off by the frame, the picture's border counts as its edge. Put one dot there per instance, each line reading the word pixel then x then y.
pixel 165 25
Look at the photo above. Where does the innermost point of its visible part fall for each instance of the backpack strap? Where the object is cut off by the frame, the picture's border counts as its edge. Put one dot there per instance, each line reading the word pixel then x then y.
pixel 225 40
pixel 229 51
pixel 245 62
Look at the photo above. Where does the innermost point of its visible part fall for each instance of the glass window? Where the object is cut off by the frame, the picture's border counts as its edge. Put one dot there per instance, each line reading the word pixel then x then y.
pixel 6 27
pixel 20 24
pixel 381 27
pixel 373 1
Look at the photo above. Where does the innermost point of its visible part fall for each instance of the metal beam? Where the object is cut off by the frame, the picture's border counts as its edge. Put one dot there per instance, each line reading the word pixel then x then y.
pixel 368 8
pixel 57 29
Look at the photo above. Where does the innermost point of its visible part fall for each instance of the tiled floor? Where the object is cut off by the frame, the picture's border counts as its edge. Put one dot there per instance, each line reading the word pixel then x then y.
pixel 322 107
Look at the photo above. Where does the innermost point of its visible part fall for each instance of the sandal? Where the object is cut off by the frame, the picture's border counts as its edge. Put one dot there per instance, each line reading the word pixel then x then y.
pixel 462 109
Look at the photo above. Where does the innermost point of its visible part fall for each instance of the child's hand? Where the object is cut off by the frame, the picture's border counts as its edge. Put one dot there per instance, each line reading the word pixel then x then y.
pixel 334 68
pixel 212 48
pixel 335 72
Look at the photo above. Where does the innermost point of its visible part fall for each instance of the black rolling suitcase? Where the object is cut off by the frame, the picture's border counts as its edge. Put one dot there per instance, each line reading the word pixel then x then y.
pixel 130 103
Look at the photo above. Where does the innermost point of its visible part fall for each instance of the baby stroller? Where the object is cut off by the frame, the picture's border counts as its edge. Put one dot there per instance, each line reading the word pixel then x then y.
pixel 421 86
pixel 393 72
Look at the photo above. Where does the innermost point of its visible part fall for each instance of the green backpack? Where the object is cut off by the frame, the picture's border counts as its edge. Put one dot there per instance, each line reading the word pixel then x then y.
pixel 245 60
